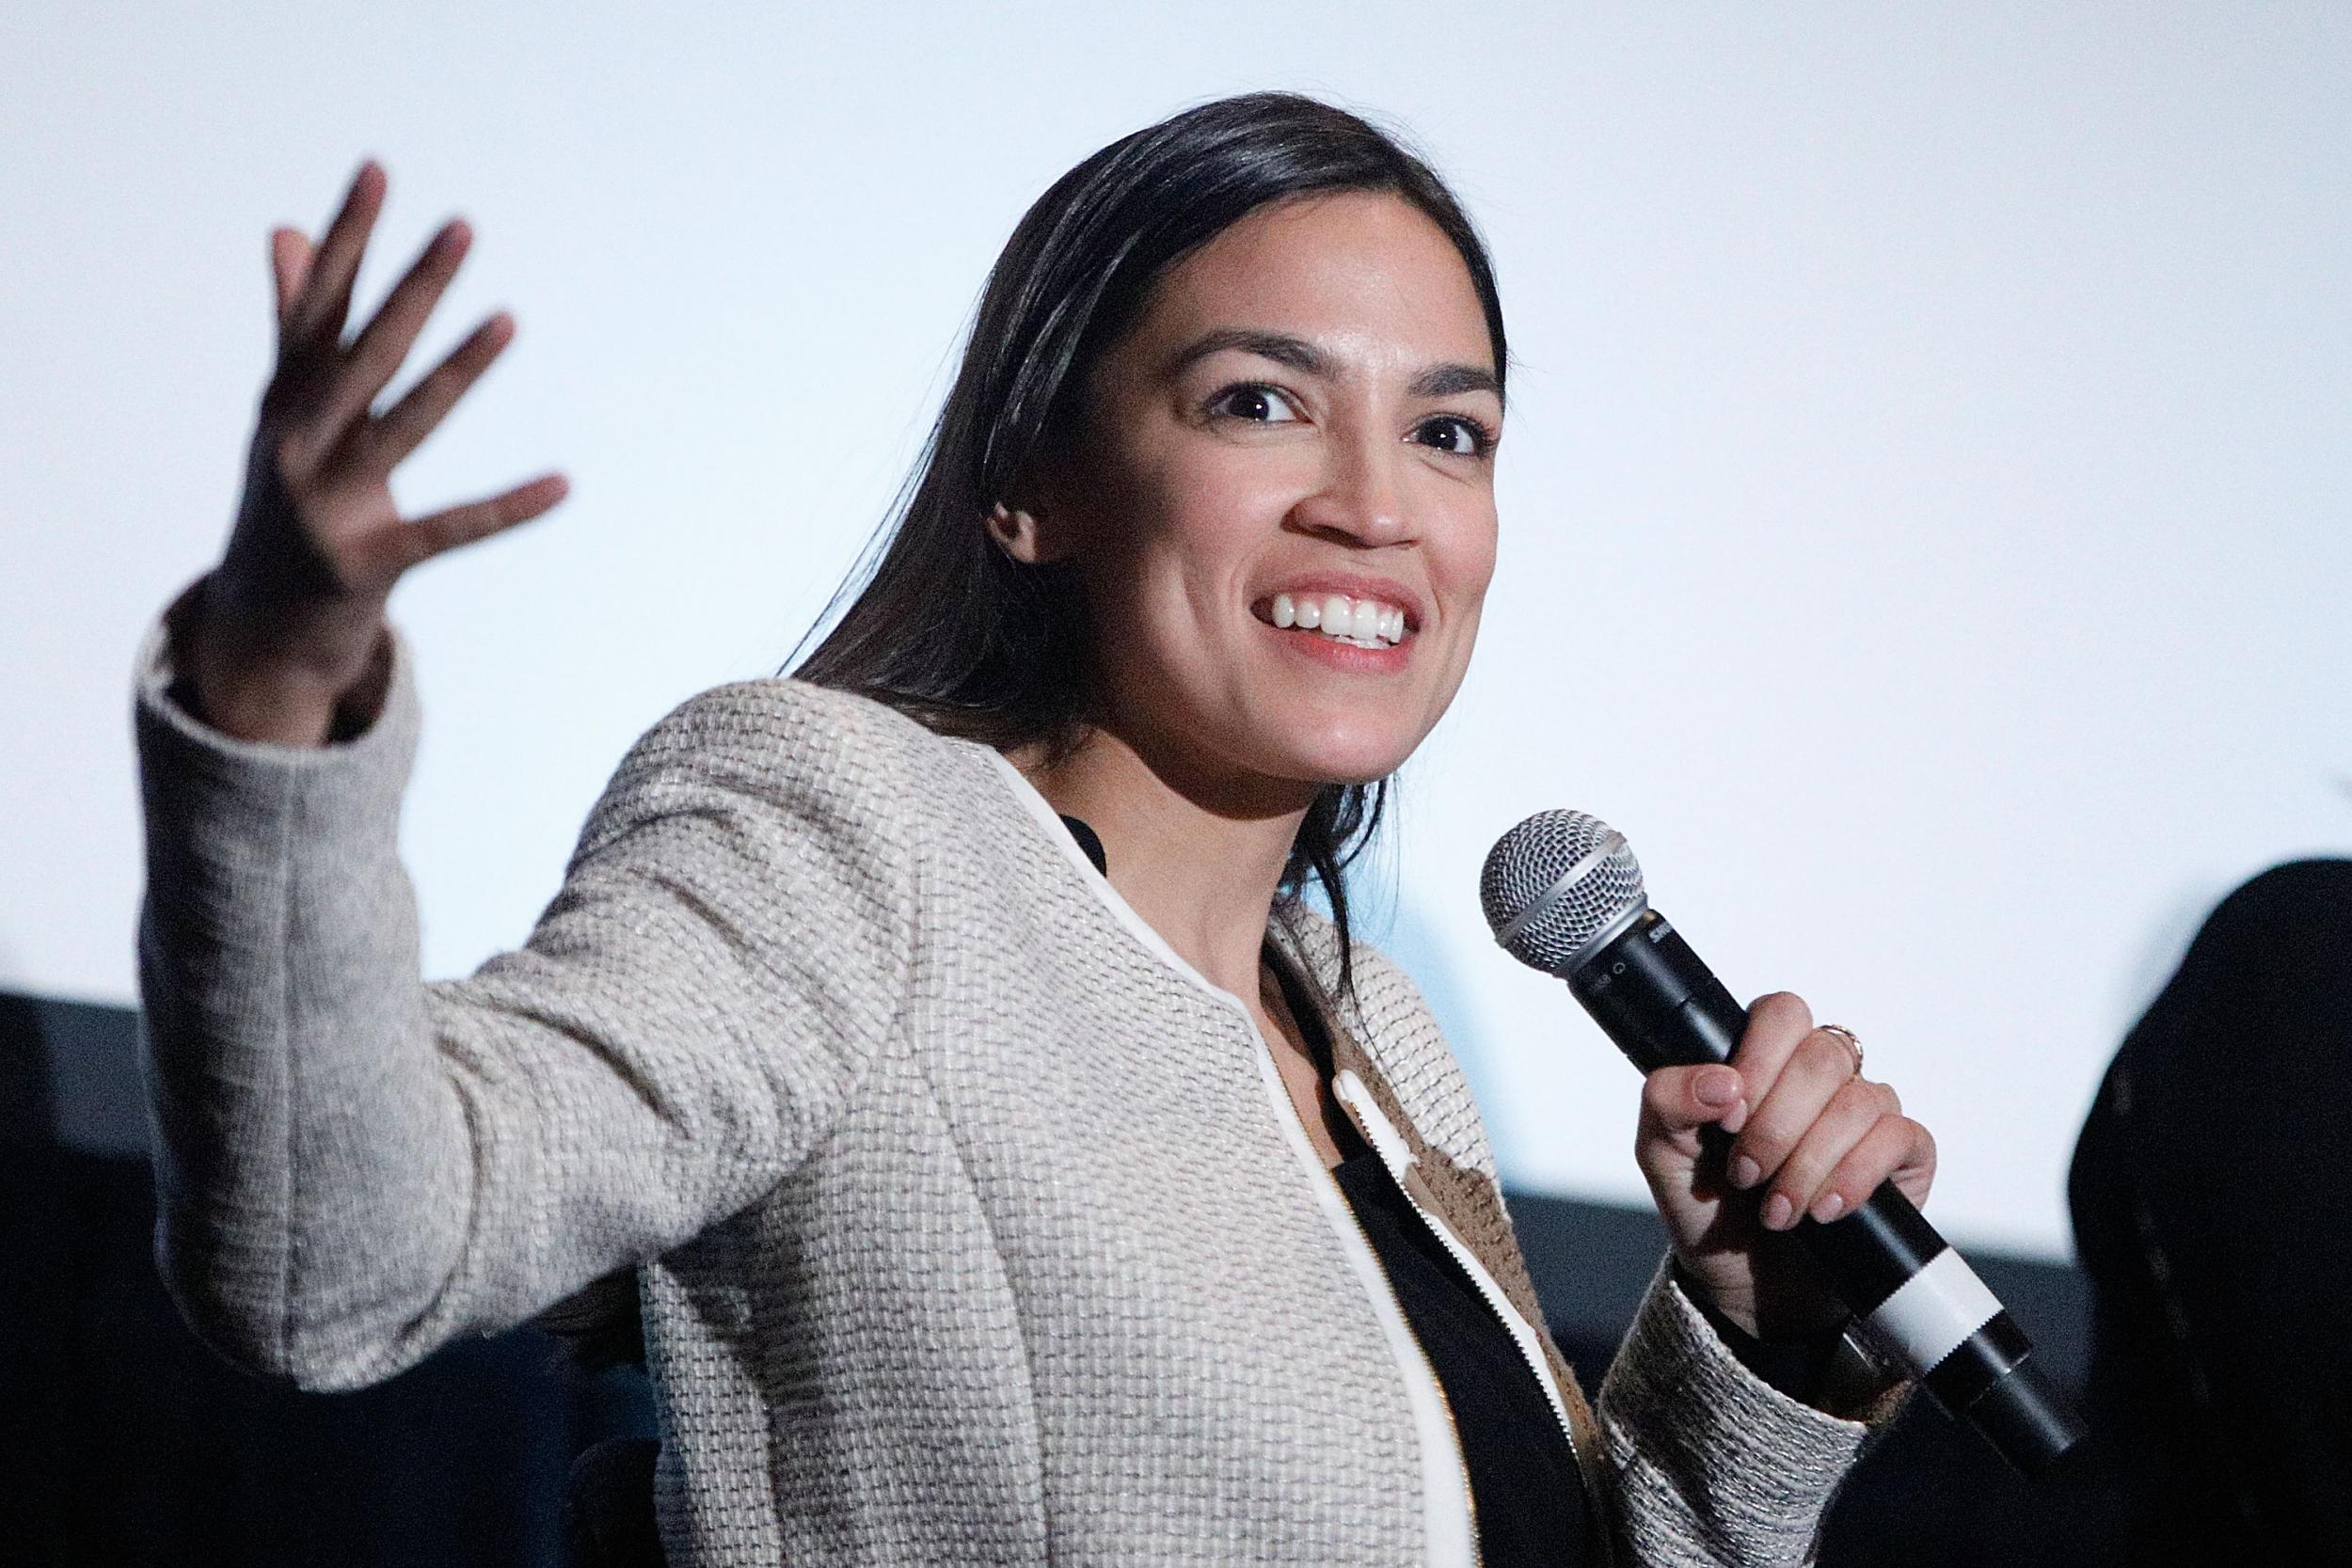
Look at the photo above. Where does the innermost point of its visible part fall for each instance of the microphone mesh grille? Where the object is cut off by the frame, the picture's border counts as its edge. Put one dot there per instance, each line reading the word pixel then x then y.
pixel 1528 860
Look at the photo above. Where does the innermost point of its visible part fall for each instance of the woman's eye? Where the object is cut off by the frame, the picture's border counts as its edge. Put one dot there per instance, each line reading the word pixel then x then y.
pixel 1256 404
pixel 1469 438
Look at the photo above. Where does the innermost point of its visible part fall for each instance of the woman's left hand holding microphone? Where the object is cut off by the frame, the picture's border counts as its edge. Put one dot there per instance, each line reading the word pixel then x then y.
pixel 1813 1137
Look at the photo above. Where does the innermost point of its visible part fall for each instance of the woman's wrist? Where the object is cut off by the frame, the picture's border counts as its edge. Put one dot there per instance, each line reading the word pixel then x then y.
pixel 262 699
pixel 1826 1367
pixel 1791 1365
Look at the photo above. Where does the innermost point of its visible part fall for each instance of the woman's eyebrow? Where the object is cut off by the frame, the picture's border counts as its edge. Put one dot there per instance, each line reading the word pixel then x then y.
pixel 1437 381
pixel 1449 380
pixel 1280 347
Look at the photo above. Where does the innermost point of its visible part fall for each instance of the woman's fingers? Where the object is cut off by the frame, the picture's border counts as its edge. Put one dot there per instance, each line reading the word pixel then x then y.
pixel 375 355
pixel 318 542
pixel 381 444
pixel 1788 1090
pixel 1809 1136
pixel 1777 1026
pixel 325 391
pixel 314 289
pixel 393 550
pixel 316 319
pixel 1896 1149
pixel 1799 1182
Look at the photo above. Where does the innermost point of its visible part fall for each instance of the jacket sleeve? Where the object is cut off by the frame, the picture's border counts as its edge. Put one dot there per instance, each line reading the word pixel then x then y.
pixel 1711 1466
pixel 353 1166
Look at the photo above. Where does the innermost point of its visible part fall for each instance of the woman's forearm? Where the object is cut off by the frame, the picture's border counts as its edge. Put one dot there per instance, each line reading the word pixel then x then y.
pixel 312 1158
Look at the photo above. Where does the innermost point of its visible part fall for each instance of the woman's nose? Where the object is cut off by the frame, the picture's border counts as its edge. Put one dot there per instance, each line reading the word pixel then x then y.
pixel 1360 500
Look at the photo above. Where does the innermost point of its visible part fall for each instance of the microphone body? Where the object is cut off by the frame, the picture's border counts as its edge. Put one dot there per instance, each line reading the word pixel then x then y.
pixel 1921 1305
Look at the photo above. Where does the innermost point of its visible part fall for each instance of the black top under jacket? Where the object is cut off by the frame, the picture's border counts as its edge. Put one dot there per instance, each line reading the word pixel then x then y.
pixel 1525 1495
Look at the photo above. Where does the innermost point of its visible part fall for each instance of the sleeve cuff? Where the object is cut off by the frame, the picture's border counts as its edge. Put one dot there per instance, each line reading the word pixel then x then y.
pixel 1701 1444
pixel 1798 1368
pixel 169 728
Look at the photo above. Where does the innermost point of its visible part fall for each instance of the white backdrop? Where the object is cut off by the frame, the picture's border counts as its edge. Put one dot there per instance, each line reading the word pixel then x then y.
pixel 1924 512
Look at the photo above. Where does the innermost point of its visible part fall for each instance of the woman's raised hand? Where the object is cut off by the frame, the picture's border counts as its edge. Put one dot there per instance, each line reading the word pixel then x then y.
pixel 1813 1137
pixel 289 628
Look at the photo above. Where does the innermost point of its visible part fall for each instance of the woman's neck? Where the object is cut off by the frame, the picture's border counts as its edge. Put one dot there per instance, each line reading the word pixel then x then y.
pixel 1198 859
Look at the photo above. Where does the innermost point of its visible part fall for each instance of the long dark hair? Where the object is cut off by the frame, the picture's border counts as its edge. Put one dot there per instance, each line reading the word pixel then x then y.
pixel 949 630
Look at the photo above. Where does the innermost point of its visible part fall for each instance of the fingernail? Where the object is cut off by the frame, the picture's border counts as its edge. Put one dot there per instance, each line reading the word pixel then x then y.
pixel 1736 1118
pixel 1776 1213
pixel 1745 1172
pixel 1829 1207
pixel 1717 1088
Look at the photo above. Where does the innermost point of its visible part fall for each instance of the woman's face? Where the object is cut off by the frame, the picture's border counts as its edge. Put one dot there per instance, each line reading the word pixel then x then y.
pixel 1300 428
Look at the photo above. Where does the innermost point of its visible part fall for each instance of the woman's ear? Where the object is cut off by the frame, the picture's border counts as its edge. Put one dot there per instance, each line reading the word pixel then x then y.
pixel 1018 533
pixel 1035 524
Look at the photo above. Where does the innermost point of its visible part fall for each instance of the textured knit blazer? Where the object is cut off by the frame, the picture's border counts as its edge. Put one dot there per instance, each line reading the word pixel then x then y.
pixel 973 1226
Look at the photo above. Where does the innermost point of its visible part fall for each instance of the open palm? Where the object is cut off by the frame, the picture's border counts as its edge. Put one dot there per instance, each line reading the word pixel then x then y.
pixel 292 616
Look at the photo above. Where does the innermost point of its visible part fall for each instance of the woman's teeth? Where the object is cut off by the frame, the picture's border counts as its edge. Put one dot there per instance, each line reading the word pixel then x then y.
pixel 1366 623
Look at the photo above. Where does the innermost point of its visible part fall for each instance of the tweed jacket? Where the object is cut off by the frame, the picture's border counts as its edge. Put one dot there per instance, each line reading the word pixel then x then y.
pixel 973 1226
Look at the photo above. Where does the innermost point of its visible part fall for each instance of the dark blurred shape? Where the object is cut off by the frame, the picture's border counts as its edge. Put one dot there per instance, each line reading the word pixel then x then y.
pixel 609 1518
pixel 123 1442
pixel 26 1118
pixel 70 1078
pixel 2209 1215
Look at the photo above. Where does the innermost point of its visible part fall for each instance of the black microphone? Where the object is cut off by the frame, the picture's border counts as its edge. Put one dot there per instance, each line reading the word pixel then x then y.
pixel 1563 894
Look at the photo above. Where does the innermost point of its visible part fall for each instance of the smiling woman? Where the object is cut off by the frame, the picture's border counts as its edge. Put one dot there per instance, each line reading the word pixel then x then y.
pixel 1059 389
pixel 1010 1165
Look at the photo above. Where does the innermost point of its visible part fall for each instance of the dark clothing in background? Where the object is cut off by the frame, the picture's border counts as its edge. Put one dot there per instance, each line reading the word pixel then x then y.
pixel 2209 1211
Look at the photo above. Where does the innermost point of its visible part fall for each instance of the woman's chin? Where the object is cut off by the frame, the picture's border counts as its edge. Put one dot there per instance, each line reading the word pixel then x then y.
pixel 1292 743
pixel 1359 761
